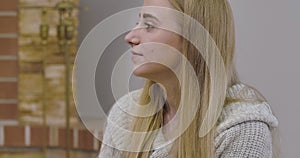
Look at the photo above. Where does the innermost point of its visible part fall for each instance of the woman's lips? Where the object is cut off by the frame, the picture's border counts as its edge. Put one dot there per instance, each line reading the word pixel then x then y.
pixel 135 53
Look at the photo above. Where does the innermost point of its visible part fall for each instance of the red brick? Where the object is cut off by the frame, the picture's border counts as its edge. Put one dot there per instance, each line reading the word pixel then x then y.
pixel 8 111
pixel 8 90
pixel 14 136
pixel 62 138
pixel 39 136
pixel 8 24
pixel 85 140
pixel 8 68
pixel 8 5
pixel 8 46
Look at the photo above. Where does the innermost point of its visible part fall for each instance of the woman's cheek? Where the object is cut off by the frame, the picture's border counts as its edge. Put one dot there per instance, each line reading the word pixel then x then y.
pixel 163 54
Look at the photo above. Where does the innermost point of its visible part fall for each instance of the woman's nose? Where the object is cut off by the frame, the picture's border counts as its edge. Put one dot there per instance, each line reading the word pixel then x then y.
pixel 132 38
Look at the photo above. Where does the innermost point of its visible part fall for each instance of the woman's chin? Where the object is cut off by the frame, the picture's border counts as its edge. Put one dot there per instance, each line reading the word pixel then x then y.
pixel 151 71
pixel 139 71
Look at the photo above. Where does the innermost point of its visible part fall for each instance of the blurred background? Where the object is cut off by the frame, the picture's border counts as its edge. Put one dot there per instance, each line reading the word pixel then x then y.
pixel 38 44
pixel 38 118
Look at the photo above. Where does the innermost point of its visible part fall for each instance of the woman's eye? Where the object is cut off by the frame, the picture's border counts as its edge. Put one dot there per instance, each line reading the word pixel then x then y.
pixel 146 25
pixel 149 25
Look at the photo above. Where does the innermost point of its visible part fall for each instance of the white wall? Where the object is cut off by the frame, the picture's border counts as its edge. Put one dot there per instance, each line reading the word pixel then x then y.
pixel 268 40
pixel 267 54
pixel 97 11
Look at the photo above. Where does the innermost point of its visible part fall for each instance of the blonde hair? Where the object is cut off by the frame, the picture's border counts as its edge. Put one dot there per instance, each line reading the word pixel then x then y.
pixel 216 17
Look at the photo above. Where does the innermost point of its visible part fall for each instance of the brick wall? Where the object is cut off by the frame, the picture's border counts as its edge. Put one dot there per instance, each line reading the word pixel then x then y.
pixel 42 66
pixel 33 136
pixel 22 132
pixel 8 61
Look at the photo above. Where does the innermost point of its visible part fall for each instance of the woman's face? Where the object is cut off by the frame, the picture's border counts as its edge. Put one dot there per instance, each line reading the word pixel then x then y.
pixel 154 49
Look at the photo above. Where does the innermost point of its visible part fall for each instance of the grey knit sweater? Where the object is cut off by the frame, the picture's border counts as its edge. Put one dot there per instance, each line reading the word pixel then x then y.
pixel 243 130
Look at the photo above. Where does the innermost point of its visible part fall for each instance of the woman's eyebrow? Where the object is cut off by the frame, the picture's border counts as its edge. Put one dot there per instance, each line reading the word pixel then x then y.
pixel 147 15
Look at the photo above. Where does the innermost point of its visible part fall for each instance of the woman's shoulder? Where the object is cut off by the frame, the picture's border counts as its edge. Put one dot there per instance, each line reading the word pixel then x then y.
pixel 245 110
pixel 118 120
pixel 244 126
pixel 122 107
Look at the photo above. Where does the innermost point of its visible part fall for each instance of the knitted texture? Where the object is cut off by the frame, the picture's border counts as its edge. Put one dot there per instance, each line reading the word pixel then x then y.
pixel 243 129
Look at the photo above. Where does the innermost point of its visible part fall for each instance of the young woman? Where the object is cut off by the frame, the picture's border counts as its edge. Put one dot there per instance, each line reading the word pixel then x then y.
pixel 193 104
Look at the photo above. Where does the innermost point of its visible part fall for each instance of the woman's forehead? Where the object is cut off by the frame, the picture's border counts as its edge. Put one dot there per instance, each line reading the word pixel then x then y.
pixel 168 18
pixel 159 12
pixel 160 3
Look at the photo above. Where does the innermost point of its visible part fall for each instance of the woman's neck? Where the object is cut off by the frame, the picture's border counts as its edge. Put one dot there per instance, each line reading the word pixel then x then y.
pixel 172 89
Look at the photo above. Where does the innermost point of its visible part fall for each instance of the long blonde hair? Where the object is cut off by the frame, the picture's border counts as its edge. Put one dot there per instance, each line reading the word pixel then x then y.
pixel 216 17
